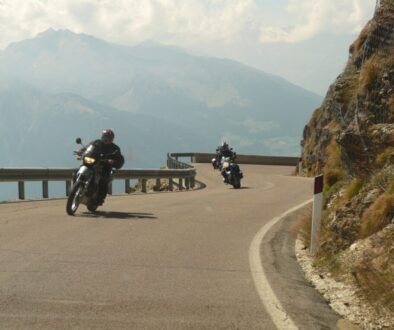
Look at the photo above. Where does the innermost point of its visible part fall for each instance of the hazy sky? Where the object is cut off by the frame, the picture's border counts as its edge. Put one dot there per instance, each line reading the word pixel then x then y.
pixel 304 41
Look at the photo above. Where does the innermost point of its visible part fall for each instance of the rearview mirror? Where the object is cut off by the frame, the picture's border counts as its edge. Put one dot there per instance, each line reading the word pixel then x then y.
pixel 78 141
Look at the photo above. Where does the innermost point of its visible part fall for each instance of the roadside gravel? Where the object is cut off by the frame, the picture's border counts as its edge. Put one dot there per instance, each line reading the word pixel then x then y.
pixel 344 297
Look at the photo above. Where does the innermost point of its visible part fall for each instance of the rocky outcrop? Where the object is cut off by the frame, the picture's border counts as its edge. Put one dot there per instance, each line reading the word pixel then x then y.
pixel 350 139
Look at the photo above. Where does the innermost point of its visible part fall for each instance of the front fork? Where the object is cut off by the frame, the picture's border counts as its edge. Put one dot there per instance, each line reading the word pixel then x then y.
pixel 84 174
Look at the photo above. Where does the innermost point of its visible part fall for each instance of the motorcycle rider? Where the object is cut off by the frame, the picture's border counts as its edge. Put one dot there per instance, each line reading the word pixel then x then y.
pixel 223 151
pixel 113 159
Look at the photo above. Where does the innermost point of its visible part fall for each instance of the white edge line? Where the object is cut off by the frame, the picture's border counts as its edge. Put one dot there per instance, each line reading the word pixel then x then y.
pixel 271 303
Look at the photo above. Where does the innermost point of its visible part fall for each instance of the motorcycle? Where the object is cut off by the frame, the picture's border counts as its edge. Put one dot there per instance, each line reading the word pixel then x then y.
pixel 215 164
pixel 86 179
pixel 231 171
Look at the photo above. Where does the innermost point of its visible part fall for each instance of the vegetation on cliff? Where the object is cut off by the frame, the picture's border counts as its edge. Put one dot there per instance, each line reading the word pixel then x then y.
pixel 350 140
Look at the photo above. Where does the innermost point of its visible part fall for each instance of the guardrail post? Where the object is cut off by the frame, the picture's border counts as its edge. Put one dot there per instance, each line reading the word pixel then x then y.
pixel 170 184
pixel 21 189
pixel 187 183
pixel 192 181
pixel 110 188
pixel 127 186
pixel 180 184
pixel 45 189
pixel 68 187
pixel 143 185
pixel 158 184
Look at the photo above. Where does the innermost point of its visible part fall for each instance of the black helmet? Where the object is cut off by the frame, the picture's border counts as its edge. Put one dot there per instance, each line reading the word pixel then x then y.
pixel 107 135
pixel 224 145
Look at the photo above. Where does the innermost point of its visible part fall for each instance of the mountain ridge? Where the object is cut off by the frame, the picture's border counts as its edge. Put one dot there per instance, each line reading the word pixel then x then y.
pixel 211 99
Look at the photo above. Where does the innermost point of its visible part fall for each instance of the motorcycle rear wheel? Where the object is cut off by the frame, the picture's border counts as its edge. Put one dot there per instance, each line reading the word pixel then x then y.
pixel 74 198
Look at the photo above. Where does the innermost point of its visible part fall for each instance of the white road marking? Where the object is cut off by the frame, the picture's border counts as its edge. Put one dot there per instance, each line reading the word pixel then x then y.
pixel 271 303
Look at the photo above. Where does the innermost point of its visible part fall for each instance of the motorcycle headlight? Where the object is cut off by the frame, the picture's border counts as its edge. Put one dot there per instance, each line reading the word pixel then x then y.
pixel 89 160
pixel 226 164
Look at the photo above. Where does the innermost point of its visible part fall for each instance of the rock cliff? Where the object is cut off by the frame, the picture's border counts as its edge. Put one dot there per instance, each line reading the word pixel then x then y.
pixel 350 140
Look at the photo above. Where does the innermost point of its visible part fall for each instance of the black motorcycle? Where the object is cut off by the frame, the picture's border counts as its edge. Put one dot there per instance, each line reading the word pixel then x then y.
pixel 86 179
pixel 231 172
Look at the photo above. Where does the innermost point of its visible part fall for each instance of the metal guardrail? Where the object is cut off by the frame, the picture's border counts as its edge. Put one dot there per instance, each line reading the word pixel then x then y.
pixel 183 172
pixel 199 157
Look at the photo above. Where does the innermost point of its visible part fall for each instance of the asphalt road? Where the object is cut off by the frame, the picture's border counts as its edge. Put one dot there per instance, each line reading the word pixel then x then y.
pixel 158 261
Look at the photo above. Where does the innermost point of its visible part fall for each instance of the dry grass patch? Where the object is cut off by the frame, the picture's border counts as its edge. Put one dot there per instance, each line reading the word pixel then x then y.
pixel 383 157
pixel 303 226
pixel 348 94
pixel 369 74
pixel 391 108
pixel 354 188
pixel 333 169
pixel 375 273
pixel 384 178
pixel 377 216
pixel 373 68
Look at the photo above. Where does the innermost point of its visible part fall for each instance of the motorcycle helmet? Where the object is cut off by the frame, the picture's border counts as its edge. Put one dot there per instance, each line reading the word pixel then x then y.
pixel 224 146
pixel 107 135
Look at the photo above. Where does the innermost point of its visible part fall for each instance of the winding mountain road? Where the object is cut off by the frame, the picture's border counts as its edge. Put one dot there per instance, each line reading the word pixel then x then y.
pixel 182 260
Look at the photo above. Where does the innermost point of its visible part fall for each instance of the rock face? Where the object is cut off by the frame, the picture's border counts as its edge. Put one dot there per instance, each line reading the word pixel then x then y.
pixel 350 139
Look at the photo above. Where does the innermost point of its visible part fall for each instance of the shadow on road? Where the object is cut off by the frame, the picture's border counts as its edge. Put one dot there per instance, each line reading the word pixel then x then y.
pixel 118 215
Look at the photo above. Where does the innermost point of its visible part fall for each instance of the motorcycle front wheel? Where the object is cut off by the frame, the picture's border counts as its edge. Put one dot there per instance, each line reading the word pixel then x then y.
pixel 74 198
pixel 236 182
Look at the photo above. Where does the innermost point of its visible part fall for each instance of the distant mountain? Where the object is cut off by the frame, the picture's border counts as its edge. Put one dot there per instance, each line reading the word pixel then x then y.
pixel 172 99
pixel 39 129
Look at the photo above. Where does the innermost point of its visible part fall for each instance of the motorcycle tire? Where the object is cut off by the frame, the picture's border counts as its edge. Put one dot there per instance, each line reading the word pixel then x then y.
pixel 236 182
pixel 74 198
pixel 92 206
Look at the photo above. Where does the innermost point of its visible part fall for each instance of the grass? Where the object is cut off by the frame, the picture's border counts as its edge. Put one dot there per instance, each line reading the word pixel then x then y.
pixel 373 69
pixel 349 94
pixel 333 169
pixel 375 274
pixel 354 188
pixel 390 106
pixel 390 189
pixel 369 74
pixel 383 157
pixel 330 263
pixel 383 179
pixel 377 287
pixel 303 226
pixel 377 216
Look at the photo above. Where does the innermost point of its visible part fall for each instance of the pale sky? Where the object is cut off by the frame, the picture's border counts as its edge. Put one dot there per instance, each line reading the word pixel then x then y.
pixel 304 41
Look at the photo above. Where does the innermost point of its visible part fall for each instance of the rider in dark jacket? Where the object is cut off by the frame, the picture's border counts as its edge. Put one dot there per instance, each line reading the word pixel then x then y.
pixel 223 151
pixel 114 159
